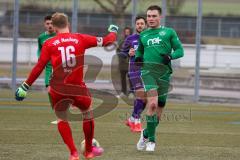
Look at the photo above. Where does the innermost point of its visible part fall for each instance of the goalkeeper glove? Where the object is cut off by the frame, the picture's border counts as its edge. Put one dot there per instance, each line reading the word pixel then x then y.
pixel 113 28
pixel 166 59
pixel 139 61
pixel 21 92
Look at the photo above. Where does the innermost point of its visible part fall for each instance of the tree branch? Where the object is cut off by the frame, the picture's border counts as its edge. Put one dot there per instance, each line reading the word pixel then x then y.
pixel 103 6
pixel 126 4
pixel 111 2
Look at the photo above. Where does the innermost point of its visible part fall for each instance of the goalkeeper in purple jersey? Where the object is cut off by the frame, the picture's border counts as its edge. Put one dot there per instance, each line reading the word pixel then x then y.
pixel 134 74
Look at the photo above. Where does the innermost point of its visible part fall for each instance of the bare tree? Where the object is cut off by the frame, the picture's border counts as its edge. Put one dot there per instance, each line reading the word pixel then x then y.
pixel 115 7
pixel 174 6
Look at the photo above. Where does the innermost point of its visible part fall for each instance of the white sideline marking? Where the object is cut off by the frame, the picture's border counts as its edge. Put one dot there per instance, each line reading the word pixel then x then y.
pixel 54 122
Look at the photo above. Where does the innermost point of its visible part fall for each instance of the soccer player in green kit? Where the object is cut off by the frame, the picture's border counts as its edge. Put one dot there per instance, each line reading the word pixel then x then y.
pixel 49 33
pixel 158 45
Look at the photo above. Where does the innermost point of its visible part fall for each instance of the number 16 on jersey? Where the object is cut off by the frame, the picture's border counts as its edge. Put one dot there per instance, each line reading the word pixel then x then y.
pixel 68 56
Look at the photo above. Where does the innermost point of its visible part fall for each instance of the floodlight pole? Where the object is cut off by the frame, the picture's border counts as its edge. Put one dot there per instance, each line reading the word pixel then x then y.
pixel 198 50
pixel 15 43
pixel 134 13
pixel 164 12
pixel 74 15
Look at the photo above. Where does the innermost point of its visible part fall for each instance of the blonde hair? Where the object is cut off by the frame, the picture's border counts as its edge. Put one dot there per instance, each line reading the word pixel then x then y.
pixel 60 20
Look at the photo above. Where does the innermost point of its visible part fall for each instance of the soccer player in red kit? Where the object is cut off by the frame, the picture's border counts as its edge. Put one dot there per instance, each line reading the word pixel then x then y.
pixel 65 51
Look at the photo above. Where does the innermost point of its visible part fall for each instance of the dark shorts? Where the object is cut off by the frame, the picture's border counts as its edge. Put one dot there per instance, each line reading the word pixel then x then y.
pixel 135 80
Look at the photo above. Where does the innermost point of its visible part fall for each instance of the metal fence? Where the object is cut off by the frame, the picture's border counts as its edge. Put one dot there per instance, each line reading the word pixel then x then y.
pixel 31 19
pixel 31 25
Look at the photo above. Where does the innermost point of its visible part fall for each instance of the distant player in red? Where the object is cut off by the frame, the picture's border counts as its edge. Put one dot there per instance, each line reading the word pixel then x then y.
pixel 66 53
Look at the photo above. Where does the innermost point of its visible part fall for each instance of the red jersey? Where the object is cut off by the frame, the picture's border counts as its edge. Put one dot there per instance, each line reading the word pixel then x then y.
pixel 66 53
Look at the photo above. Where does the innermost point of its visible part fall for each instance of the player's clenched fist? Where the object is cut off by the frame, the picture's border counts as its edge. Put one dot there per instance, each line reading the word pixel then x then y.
pixel 21 92
pixel 113 28
pixel 131 52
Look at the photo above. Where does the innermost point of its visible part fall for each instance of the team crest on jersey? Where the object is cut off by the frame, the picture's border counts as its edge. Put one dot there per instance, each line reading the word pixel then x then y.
pixel 162 33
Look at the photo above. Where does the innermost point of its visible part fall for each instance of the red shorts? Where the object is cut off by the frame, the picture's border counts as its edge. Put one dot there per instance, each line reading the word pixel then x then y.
pixel 61 99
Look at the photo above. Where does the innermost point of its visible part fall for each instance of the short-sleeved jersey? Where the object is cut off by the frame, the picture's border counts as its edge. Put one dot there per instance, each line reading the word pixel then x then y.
pixel 66 53
pixel 154 43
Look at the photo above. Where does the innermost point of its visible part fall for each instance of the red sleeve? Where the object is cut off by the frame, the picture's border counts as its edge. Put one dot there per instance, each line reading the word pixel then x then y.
pixel 38 68
pixel 110 38
pixel 92 41
pixel 89 41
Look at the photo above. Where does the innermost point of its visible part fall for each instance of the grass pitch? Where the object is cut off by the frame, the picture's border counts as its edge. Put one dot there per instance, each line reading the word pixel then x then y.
pixel 186 131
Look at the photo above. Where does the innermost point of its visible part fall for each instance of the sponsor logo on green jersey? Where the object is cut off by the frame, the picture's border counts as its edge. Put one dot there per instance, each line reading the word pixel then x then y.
pixel 154 41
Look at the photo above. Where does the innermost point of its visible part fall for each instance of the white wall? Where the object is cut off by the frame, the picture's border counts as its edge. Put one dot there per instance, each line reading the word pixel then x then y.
pixel 216 56
pixel 211 55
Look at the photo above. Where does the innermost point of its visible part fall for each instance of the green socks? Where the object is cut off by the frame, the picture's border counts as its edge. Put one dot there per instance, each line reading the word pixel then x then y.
pixel 152 123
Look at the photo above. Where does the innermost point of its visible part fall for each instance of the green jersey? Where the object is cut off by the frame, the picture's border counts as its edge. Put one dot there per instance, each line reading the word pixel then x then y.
pixel 154 43
pixel 41 39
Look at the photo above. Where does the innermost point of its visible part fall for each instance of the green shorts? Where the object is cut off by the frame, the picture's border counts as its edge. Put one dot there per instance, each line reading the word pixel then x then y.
pixel 157 81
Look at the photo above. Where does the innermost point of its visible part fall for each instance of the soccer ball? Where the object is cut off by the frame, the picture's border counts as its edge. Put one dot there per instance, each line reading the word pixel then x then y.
pixel 94 143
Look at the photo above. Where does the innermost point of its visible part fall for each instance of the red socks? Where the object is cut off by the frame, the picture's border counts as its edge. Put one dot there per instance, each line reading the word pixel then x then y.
pixel 66 133
pixel 88 129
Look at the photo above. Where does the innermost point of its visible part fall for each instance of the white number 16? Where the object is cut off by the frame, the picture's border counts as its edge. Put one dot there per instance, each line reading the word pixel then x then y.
pixel 68 56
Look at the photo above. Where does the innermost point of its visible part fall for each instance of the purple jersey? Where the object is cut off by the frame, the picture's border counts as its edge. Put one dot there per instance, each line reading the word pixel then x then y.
pixel 134 71
pixel 130 42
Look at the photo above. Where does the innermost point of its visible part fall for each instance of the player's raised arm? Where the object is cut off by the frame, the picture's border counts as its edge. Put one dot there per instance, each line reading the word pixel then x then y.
pixel 92 41
pixel 112 36
pixel 44 58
